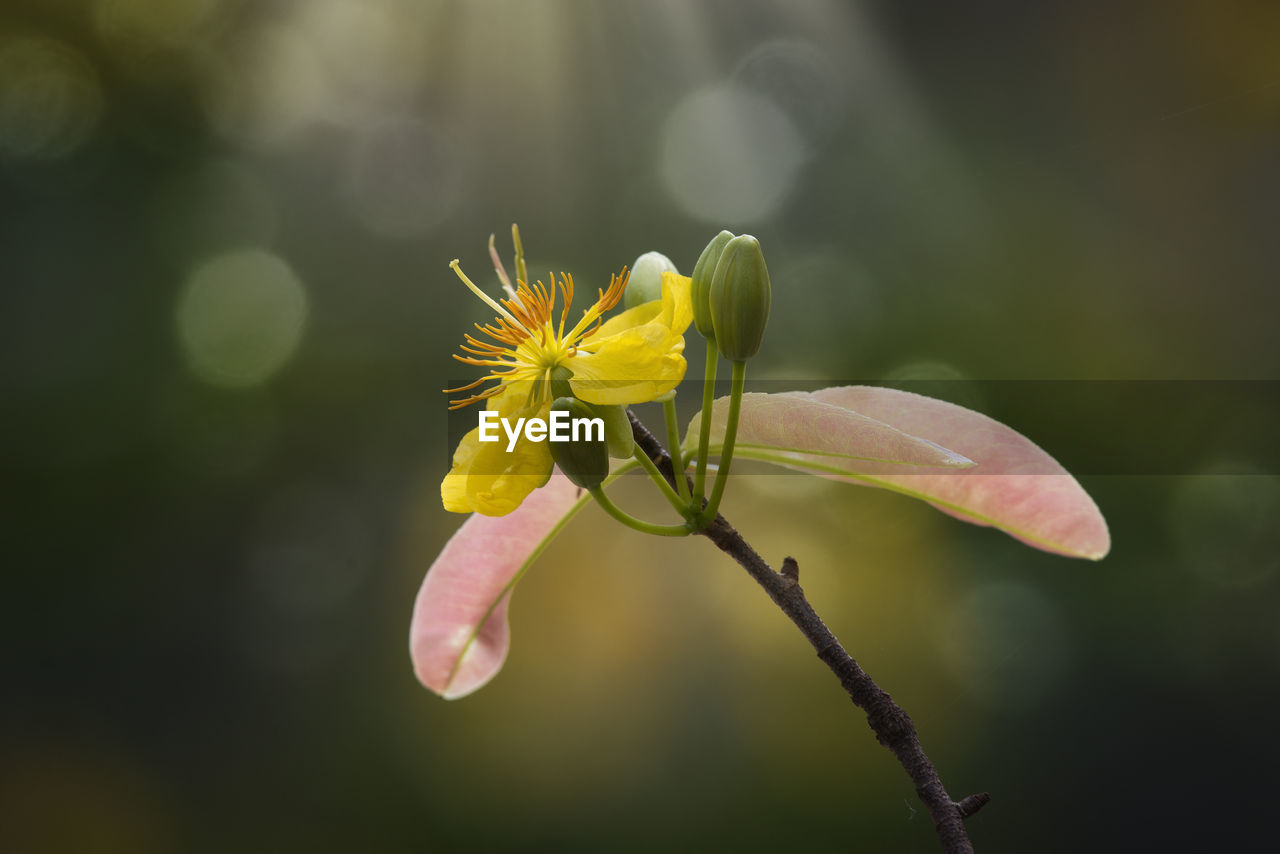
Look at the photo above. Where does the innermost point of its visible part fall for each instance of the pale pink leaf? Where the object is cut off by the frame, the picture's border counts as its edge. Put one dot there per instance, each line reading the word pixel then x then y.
pixel 795 429
pixel 459 635
pixel 1015 486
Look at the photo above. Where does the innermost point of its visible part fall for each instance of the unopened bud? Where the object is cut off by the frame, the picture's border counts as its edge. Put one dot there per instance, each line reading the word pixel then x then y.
pixel 700 289
pixel 585 461
pixel 740 297
pixel 645 283
pixel 617 431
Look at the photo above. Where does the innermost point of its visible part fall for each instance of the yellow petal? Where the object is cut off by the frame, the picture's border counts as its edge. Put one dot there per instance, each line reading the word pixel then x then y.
pixel 489 480
pixel 527 468
pixel 638 361
pixel 644 313
pixel 677 306
pixel 453 489
pixel 631 367
pixel 514 397
pixel 673 312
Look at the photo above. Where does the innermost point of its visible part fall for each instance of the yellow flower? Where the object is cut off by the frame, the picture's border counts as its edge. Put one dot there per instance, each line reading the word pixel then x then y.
pixel 631 358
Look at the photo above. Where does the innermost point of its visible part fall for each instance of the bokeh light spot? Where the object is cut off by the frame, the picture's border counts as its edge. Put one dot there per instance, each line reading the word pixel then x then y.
pixel 729 156
pixel 240 317
pixel 798 78
pixel 50 98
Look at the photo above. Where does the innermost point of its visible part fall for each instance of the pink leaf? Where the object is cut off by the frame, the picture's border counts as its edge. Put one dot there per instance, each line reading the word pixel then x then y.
pixel 459 636
pixel 794 428
pixel 1015 486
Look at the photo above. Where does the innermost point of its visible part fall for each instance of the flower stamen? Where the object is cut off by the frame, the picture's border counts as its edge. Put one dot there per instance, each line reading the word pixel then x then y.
pixel 456 267
pixel 528 343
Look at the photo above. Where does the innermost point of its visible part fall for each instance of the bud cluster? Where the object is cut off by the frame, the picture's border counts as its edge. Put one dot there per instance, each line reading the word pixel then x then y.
pixel 731 295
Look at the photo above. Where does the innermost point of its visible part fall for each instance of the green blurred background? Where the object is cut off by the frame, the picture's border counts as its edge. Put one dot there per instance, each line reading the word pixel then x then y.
pixel 226 316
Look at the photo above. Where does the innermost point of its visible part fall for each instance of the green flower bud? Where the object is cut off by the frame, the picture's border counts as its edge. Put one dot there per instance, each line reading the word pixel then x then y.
pixel 586 461
pixel 645 283
pixel 617 431
pixel 700 290
pixel 617 427
pixel 560 376
pixel 740 298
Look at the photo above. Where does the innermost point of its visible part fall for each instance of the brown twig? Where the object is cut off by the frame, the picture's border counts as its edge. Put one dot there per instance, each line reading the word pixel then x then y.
pixel 892 726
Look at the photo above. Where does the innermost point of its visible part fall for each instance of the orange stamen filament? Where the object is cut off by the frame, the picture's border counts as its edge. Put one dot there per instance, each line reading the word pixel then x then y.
pixel 519 353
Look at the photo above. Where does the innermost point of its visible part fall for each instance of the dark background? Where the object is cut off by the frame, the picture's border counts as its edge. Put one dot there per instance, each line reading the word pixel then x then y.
pixel 226 316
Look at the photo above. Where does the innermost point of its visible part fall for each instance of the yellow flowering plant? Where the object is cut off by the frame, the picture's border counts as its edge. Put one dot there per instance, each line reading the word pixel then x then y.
pixel 542 362
pixel 536 352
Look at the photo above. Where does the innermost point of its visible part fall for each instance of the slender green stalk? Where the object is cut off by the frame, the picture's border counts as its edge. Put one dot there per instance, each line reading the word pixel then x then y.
pixel 681 505
pixel 704 433
pixel 673 442
pixel 730 435
pixel 632 522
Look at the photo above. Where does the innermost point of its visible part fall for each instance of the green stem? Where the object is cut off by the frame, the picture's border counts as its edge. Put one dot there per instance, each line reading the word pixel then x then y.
pixel 673 442
pixel 632 522
pixel 704 432
pixel 682 506
pixel 730 435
